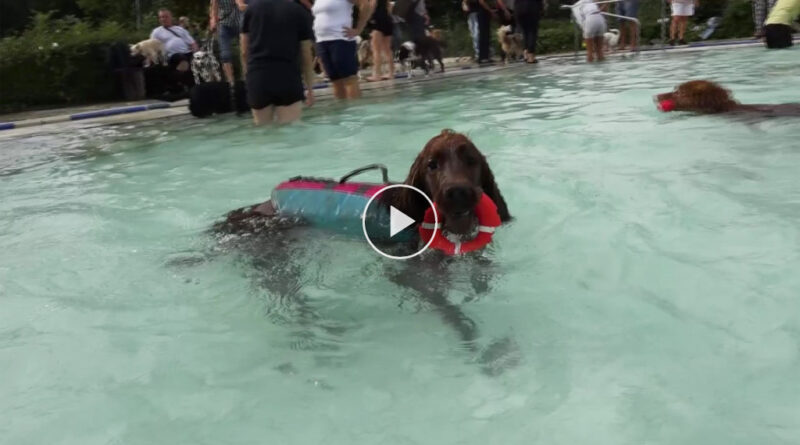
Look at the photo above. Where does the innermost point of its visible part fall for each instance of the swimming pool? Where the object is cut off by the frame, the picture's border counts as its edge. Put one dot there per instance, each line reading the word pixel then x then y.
pixel 648 283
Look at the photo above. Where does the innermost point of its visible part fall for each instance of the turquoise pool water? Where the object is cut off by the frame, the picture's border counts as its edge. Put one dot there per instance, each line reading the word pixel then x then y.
pixel 648 288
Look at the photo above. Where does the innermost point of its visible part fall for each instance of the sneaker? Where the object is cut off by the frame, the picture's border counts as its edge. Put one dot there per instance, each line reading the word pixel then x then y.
pixel 486 62
pixel 682 42
pixel 671 42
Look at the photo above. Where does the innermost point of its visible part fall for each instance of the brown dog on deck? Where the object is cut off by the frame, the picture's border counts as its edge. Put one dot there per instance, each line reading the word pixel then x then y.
pixel 706 97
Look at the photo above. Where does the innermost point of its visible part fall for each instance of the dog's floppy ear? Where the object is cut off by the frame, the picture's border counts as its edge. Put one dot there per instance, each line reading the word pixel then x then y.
pixel 410 201
pixel 489 187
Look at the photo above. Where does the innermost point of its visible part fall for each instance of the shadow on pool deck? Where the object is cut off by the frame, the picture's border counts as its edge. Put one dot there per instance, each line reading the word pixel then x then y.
pixel 122 112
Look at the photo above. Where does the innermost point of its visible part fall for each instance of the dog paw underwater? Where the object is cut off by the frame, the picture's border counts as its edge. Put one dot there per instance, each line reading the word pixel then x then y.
pixel 285 237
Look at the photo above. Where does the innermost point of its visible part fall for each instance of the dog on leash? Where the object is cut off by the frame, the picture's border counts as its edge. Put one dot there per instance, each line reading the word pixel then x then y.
pixel 511 45
pixel 611 39
pixel 152 50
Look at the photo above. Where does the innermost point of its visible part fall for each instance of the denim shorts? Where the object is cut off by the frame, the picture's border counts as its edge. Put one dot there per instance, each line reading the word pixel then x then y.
pixel 628 8
pixel 226 35
pixel 339 58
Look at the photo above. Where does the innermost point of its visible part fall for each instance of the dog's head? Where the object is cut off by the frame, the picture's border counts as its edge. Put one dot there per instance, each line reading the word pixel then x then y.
pixel 406 51
pixel 454 173
pixel 700 96
pixel 503 32
pixel 136 50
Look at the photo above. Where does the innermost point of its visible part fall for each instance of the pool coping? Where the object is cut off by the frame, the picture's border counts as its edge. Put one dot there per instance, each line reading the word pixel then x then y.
pixel 155 110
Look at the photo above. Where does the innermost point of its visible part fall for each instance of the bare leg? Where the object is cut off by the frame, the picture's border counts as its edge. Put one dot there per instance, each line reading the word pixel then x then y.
pixel 289 113
pixel 387 52
pixel 682 31
pixel 598 48
pixel 228 69
pixel 377 55
pixel 622 39
pixel 264 116
pixel 633 29
pixel 339 89
pixel 589 50
pixel 352 90
pixel 673 27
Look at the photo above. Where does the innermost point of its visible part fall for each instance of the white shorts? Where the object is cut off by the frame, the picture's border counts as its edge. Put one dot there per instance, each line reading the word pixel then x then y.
pixel 594 26
pixel 683 9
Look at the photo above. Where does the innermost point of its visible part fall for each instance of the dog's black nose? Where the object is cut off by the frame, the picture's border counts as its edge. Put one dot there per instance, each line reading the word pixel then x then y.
pixel 460 195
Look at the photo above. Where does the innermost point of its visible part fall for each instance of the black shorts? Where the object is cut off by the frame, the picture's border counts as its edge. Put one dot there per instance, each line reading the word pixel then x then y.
pixel 778 36
pixel 382 23
pixel 276 85
pixel 339 58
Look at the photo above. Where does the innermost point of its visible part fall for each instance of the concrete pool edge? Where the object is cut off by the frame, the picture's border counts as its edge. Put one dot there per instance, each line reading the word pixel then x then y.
pixel 156 110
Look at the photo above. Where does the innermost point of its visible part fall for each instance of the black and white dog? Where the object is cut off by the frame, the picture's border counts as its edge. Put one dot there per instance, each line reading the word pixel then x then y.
pixel 420 54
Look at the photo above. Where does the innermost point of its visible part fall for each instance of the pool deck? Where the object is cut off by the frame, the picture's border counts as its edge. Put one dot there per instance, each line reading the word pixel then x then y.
pixel 27 123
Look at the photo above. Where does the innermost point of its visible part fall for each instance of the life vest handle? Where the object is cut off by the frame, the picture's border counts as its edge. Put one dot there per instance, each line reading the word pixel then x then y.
pixel 358 171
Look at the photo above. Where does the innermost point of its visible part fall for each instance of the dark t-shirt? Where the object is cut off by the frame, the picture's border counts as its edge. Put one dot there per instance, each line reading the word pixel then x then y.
pixel 275 29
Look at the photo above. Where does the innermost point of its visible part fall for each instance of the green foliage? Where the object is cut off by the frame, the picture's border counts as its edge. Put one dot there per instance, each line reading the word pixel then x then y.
pixel 737 20
pixel 58 61
pixel 556 36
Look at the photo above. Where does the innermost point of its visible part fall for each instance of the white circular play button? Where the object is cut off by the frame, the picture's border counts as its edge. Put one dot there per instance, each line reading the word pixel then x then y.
pixel 400 227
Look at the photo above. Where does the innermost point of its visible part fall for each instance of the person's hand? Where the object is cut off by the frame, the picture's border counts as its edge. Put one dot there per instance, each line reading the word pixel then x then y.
pixel 309 97
pixel 427 19
pixel 507 14
pixel 212 23
pixel 351 32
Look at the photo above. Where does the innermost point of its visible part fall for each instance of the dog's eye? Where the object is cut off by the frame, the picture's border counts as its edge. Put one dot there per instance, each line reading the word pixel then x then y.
pixel 470 161
pixel 432 164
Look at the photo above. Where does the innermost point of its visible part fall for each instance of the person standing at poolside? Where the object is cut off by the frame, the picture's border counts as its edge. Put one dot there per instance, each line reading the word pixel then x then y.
pixel 529 13
pixel 336 45
pixel 760 10
pixel 470 7
pixel 381 39
pixel 485 13
pixel 629 31
pixel 225 18
pixel 778 27
pixel 681 11
pixel 275 34
pixel 590 19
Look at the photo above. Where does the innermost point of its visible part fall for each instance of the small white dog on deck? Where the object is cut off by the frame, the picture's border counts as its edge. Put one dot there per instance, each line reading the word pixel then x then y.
pixel 152 50
pixel 611 39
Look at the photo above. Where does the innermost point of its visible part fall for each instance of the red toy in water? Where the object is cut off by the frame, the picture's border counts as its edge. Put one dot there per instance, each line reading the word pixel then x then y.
pixel 488 220
pixel 666 105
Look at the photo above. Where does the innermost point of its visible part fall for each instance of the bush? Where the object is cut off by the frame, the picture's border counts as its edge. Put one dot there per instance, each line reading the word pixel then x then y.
pixel 737 20
pixel 59 61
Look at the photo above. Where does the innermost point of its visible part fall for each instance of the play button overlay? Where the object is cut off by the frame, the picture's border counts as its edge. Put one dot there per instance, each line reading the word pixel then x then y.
pixel 398 221
pixel 400 227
